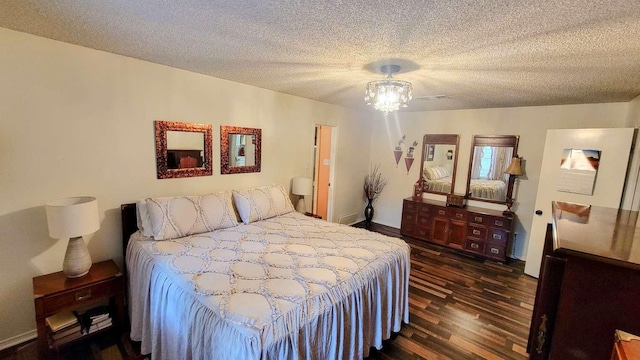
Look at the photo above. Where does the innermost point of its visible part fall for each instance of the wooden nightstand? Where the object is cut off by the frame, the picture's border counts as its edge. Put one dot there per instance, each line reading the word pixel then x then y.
pixel 55 292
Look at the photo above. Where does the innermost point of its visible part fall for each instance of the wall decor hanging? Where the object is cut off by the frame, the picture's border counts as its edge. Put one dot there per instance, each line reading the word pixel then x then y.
pixel 408 160
pixel 397 152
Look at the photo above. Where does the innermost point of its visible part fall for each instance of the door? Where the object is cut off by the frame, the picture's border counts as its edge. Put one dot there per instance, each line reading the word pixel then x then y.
pixel 615 149
pixel 323 170
pixel 457 234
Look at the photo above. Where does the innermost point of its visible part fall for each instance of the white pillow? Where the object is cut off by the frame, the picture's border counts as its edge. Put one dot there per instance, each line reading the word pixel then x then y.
pixel 143 218
pixel 175 217
pixel 262 203
pixel 436 172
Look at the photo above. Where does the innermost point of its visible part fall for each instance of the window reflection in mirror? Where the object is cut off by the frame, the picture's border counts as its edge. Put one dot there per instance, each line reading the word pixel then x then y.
pixel 490 157
pixel 185 150
pixel 439 158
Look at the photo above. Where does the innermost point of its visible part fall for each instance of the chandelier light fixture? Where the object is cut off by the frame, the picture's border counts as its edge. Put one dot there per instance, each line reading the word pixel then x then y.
pixel 388 95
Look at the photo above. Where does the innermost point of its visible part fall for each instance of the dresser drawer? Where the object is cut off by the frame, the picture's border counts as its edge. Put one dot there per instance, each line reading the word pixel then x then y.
pixel 495 251
pixel 423 233
pixel 501 223
pixel 424 209
pixel 424 221
pixel 409 206
pixel 408 217
pixel 79 296
pixel 478 219
pixel 441 212
pixel 478 232
pixel 475 246
pixel 459 215
pixel 498 236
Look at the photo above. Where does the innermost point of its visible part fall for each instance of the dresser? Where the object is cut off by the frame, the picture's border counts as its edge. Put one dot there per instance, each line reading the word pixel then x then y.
pixel 589 284
pixel 473 230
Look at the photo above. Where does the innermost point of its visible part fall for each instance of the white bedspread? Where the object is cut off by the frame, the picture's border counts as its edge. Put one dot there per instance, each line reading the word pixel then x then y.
pixel 489 189
pixel 289 287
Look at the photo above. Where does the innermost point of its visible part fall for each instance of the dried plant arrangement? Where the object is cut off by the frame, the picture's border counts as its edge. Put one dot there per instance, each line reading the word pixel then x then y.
pixel 374 183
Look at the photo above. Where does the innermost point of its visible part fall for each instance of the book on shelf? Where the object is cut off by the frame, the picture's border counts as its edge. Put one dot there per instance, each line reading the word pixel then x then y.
pixel 69 337
pixel 100 325
pixel 66 331
pixel 61 320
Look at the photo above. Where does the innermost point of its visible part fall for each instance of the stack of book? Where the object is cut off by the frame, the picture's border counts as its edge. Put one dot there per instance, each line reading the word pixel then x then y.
pixel 69 325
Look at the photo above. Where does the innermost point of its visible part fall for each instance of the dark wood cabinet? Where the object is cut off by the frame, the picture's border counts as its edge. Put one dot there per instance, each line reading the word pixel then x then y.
pixel 589 283
pixel 478 231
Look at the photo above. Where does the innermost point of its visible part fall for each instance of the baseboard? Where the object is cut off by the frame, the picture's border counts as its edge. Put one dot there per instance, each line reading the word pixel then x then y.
pixel 18 339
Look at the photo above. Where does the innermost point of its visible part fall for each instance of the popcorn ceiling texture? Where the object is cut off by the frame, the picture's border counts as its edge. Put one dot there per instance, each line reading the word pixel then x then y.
pixel 493 53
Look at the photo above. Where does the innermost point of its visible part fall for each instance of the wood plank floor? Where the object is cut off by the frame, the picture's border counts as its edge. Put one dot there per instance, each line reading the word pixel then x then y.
pixel 461 307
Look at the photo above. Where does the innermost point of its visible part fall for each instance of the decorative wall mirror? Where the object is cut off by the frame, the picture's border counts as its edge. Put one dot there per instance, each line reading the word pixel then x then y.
pixel 240 150
pixel 183 149
pixel 439 162
pixel 490 157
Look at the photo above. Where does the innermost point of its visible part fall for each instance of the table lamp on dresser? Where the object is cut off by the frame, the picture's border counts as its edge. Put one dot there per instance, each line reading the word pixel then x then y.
pixel 71 218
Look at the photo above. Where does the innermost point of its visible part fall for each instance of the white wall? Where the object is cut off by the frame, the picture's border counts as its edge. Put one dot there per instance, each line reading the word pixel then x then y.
pixel 531 123
pixel 76 121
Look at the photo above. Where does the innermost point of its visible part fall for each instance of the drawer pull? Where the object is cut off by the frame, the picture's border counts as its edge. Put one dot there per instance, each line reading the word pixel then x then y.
pixel 441 212
pixel 497 236
pixel 499 223
pixel 83 295
pixel 474 246
pixel 477 219
pixel 495 251
pixel 459 216
pixel 476 232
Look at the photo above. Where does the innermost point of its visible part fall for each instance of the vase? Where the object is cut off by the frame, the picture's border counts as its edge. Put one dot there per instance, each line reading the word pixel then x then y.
pixel 368 213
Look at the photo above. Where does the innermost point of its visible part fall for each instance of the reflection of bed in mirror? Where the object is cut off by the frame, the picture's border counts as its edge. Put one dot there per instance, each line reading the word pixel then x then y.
pixel 439 159
pixel 490 158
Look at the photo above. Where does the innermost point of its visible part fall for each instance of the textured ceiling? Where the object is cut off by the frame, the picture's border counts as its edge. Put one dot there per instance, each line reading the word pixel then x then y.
pixel 491 53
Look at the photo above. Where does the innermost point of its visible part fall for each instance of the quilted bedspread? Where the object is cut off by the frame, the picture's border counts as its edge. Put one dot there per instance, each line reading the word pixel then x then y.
pixel 269 279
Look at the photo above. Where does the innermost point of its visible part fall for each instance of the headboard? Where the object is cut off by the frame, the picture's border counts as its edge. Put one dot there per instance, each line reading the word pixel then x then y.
pixel 129 224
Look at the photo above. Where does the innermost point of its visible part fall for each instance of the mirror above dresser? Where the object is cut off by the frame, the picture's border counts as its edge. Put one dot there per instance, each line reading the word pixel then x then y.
pixel 439 162
pixel 490 158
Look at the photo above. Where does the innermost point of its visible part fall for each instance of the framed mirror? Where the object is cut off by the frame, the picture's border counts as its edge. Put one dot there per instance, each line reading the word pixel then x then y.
pixel 439 162
pixel 240 150
pixel 490 157
pixel 183 149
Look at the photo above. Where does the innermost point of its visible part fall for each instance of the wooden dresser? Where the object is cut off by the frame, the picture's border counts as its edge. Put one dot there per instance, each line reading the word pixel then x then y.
pixel 589 284
pixel 482 232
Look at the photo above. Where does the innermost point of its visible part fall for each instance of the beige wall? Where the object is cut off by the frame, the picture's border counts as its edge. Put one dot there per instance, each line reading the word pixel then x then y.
pixel 75 121
pixel 531 123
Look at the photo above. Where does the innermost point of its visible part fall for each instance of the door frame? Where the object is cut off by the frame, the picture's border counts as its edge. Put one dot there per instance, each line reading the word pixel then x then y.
pixel 332 170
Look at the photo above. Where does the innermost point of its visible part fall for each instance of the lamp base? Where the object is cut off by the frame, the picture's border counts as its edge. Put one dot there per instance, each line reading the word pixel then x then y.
pixel 301 206
pixel 77 260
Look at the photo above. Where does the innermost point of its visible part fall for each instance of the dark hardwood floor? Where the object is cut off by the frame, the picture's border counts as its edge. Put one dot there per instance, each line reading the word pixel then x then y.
pixel 460 308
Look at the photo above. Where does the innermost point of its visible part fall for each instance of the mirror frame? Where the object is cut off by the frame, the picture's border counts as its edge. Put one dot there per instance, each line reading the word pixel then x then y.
pixel 163 171
pixel 498 141
pixel 440 139
pixel 225 131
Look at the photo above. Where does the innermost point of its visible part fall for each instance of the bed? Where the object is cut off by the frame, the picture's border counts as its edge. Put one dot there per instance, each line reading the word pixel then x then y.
pixel 489 189
pixel 279 285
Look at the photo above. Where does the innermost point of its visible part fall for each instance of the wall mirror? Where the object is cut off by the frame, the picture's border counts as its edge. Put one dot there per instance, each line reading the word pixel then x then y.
pixel 240 150
pixel 439 160
pixel 183 149
pixel 490 157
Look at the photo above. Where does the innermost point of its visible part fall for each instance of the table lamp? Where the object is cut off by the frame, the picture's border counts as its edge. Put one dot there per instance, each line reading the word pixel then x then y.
pixel 302 186
pixel 71 218
pixel 514 169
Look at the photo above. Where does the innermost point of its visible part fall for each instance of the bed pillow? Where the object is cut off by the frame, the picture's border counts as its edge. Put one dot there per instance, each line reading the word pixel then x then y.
pixel 174 217
pixel 436 172
pixel 143 218
pixel 262 203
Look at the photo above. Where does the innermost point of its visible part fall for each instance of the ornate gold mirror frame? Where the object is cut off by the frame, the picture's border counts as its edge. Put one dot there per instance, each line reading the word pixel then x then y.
pixel 253 141
pixel 183 161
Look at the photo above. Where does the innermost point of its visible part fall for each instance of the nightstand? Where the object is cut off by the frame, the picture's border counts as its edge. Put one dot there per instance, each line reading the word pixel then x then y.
pixel 55 292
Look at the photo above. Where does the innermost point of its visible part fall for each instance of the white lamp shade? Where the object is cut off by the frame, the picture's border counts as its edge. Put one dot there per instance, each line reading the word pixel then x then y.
pixel 72 217
pixel 302 186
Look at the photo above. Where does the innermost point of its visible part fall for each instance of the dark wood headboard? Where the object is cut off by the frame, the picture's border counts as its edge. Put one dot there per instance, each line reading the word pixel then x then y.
pixel 129 225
